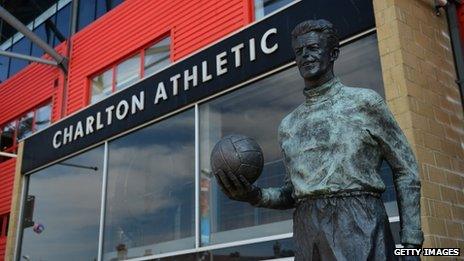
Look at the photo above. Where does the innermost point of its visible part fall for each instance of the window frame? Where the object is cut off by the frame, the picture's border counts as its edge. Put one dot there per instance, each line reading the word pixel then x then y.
pixel 17 119
pixel 114 66
pixel 4 220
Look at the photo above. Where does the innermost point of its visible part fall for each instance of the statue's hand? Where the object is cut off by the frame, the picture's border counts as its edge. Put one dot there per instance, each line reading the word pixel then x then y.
pixel 237 187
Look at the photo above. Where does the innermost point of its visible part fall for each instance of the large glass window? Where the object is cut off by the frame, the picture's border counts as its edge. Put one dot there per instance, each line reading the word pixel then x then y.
pixel 23 46
pixel 86 13
pixel 127 72
pixel 151 190
pixel 157 56
pixel 265 7
pixel 43 33
pixel 90 10
pixel 67 209
pixel 4 65
pixel 62 24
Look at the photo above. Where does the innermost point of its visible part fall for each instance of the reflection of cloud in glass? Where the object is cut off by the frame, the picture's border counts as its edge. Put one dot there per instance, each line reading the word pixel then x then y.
pixel 151 176
pixel 154 171
pixel 68 205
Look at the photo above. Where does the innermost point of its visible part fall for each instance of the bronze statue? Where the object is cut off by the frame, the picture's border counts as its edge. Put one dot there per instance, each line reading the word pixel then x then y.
pixel 333 145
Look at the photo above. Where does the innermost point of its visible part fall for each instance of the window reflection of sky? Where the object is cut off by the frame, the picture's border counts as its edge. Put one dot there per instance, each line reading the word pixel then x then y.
pixel 151 186
pixel 68 205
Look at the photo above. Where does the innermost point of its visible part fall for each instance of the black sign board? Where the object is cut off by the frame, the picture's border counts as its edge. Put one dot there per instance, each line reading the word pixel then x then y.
pixel 244 55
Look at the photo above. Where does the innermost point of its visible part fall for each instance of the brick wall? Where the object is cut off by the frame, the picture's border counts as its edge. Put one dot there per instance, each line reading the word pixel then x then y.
pixel 419 77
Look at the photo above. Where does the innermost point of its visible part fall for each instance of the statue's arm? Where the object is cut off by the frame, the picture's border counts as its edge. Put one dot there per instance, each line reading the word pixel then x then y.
pixel 397 151
pixel 277 197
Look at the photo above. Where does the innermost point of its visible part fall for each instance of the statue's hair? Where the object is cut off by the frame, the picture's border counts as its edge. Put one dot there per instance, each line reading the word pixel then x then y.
pixel 321 26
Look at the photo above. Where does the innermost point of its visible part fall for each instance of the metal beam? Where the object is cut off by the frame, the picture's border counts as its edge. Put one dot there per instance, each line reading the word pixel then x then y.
pixel 28 58
pixel 15 23
pixel 10 155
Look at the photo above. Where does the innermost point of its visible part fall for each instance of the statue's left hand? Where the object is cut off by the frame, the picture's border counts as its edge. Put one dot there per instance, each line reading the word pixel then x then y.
pixel 237 187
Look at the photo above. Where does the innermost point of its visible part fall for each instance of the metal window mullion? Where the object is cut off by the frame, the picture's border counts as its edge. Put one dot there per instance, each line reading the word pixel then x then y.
pixel 103 203
pixel 19 230
pixel 197 177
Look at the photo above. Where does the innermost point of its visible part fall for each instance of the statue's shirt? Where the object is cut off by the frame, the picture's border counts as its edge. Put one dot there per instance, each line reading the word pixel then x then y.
pixel 331 144
pixel 334 143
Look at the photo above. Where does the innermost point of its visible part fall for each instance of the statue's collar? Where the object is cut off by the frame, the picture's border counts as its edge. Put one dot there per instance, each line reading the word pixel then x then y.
pixel 323 92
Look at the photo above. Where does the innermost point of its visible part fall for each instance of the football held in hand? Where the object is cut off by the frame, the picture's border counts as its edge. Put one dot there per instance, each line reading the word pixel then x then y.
pixel 239 155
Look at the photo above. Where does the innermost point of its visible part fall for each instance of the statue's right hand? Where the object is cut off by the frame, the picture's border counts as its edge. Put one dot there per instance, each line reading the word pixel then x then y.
pixel 237 187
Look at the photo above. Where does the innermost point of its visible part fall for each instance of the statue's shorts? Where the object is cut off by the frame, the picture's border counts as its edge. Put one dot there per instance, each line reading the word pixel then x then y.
pixel 353 227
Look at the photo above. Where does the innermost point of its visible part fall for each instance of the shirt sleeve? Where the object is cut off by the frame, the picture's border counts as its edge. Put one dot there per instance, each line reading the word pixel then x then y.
pixel 278 197
pixel 397 151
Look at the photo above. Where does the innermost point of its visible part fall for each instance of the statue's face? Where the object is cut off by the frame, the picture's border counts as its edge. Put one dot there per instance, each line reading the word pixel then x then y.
pixel 312 55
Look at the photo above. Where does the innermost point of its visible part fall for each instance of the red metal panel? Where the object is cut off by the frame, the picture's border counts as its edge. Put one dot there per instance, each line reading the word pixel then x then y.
pixel 136 23
pixel 2 248
pixel 7 170
pixel 461 21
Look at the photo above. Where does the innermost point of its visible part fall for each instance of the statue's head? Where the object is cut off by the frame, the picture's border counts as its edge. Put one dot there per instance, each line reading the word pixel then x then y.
pixel 316 47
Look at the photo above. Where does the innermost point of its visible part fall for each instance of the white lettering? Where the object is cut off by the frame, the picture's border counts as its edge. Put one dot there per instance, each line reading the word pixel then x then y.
pixel 160 93
pixel 56 143
pixel 67 134
pixel 98 123
pixel 236 50
pixel 264 47
pixel 121 114
pixel 138 102
pixel 109 114
pixel 220 61
pixel 79 133
pixel 252 48
pixel 88 126
pixel 175 84
pixel 204 72
pixel 192 77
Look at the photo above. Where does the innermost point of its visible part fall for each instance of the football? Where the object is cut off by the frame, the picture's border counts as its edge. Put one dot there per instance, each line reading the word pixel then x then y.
pixel 238 154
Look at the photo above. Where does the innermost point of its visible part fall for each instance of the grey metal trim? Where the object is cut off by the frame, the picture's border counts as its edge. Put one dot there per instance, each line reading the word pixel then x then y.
pixel 213 247
pixel 19 230
pixel 101 232
pixel 27 58
pixel 15 23
pixel 6 154
pixel 197 177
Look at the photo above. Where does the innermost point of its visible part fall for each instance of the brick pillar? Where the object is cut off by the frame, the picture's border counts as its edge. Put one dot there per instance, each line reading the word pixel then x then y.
pixel 420 88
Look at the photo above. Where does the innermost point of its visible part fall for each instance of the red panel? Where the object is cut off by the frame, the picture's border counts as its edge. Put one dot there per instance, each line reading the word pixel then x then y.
pixel 7 170
pixel 136 23
pixel 461 21
pixel 2 248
